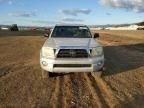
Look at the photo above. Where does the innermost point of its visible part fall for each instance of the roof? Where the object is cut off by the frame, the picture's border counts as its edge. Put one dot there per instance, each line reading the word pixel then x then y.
pixel 70 25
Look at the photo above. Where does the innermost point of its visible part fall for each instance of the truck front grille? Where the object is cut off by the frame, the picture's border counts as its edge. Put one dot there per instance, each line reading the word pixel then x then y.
pixel 72 53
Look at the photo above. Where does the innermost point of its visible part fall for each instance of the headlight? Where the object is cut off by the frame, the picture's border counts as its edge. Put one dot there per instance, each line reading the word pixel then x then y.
pixel 98 51
pixel 47 52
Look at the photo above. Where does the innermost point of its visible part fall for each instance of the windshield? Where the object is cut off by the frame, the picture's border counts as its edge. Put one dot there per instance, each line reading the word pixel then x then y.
pixel 71 32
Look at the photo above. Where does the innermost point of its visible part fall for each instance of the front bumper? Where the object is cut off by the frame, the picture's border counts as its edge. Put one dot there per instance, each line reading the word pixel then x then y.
pixel 48 64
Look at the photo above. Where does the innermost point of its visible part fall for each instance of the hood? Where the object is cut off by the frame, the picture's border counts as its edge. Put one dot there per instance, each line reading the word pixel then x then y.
pixel 71 42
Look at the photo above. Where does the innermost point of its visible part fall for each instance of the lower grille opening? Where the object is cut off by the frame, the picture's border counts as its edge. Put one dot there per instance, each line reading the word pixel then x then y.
pixel 72 65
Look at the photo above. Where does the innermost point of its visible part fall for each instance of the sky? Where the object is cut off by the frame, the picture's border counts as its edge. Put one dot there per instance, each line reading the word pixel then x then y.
pixel 89 12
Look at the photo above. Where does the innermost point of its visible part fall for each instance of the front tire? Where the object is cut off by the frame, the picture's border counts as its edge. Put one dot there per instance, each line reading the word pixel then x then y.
pixel 51 74
pixel 45 74
pixel 99 72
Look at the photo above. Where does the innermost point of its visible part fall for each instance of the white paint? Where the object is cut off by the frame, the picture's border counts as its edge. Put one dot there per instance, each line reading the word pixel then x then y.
pixel 4 28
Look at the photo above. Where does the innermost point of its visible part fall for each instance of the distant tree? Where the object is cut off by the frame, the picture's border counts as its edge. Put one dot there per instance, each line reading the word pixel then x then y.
pixel 14 27
pixel 141 23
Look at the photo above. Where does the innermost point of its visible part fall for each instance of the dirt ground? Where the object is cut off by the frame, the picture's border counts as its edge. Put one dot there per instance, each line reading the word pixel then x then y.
pixel 21 84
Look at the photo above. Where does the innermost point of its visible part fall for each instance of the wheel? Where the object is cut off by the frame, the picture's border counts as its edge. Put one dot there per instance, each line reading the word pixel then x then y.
pixel 52 74
pixel 98 73
pixel 44 74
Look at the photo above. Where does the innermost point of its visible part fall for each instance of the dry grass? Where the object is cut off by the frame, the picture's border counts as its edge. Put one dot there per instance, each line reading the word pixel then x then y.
pixel 21 85
pixel 123 33
pixel 21 33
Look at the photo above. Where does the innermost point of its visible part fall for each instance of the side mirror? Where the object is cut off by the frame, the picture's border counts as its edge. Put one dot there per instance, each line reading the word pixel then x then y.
pixel 46 34
pixel 96 35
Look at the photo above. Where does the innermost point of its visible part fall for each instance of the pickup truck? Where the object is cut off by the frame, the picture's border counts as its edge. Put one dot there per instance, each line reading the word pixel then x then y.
pixel 71 48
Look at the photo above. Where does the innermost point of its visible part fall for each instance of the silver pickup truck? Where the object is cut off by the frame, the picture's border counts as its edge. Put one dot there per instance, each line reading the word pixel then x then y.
pixel 71 48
